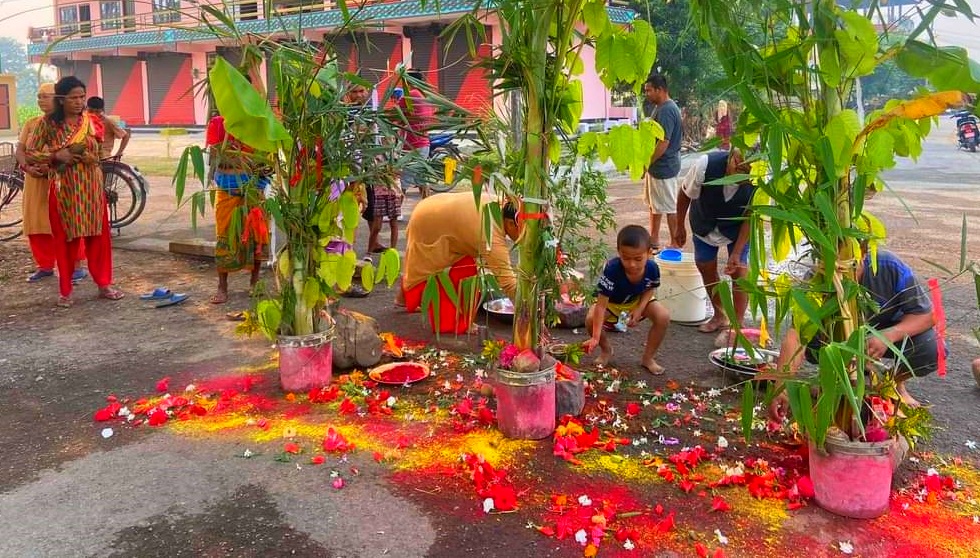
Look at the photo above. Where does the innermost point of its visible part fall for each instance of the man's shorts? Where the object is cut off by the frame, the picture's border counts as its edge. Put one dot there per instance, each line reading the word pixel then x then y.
pixel 704 252
pixel 660 194
pixel 921 351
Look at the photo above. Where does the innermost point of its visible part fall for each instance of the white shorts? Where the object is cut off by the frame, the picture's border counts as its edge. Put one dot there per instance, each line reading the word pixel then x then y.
pixel 660 194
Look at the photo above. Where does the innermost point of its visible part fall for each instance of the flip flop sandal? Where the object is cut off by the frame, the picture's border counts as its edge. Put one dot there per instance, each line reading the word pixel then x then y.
pixel 235 316
pixel 111 293
pixel 176 298
pixel 64 302
pixel 159 293
pixel 39 274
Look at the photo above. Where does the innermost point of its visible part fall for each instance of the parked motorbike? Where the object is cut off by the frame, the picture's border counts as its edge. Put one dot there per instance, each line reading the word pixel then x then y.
pixel 441 147
pixel 967 130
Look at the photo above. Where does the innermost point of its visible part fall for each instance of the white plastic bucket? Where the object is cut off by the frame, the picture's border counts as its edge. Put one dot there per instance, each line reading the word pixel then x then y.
pixel 681 289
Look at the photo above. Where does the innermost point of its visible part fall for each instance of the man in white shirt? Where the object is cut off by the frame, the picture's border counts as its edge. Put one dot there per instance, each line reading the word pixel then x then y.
pixel 717 219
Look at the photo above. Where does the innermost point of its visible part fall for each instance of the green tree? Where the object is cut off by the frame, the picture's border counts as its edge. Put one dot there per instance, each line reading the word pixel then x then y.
pixel 887 82
pixel 689 62
pixel 13 60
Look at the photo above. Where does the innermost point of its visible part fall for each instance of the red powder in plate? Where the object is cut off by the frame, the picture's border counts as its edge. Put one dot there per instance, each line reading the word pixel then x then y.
pixel 402 373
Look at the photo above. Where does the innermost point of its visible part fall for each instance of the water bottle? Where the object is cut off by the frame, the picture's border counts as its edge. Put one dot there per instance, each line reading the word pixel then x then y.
pixel 623 319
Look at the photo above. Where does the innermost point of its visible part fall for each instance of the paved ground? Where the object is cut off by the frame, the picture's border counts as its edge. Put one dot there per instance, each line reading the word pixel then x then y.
pixel 67 491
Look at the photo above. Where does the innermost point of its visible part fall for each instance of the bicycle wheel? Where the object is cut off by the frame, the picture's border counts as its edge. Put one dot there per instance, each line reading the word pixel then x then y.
pixel 437 162
pixel 122 194
pixel 142 190
pixel 11 211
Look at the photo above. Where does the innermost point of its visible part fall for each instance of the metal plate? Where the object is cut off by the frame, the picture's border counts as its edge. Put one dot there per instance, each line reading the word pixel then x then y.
pixel 744 364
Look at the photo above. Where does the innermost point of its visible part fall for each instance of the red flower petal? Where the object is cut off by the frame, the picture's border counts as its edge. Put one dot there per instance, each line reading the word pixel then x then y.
pixel 666 524
pixel 633 409
pixel 546 531
pixel 156 417
pixel 163 385
pixel 719 504
pixel 805 487
pixel 318 460
pixel 719 553
pixel 378 457
pixel 658 509
pixel 701 550
pixel 291 447
pixel 347 407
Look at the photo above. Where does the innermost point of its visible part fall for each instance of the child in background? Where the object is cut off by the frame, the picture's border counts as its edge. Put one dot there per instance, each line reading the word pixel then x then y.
pixel 388 199
pixel 627 287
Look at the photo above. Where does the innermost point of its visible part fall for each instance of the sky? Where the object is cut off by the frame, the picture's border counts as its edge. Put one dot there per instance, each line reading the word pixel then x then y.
pixel 17 15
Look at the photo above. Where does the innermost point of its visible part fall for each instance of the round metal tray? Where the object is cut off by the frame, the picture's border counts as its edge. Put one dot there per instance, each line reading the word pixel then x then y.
pixel 747 365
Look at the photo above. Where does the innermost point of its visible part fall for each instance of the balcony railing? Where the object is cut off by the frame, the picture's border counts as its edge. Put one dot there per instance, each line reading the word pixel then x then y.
pixel 188 16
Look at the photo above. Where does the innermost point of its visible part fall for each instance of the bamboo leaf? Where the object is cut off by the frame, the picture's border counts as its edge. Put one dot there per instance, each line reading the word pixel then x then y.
pixel 748 409
pixel 430 302
pixel 447 286
pixel 963 247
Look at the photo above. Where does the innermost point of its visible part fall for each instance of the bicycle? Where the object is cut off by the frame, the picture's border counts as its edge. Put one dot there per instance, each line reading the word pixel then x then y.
pixel 441 147
pixel 124 186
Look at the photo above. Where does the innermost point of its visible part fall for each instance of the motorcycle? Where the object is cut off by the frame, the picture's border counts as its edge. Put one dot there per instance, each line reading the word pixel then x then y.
pixel 441 147
pixel 967 130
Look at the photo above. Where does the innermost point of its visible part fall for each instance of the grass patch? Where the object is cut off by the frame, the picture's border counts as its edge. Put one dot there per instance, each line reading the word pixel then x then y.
pixel 154 165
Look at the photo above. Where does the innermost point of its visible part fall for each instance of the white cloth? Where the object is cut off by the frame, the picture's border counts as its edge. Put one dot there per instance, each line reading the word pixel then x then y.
pixel 691 186
pixel 660 194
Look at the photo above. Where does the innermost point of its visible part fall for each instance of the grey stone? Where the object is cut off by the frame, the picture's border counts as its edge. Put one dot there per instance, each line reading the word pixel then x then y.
pixel 356 341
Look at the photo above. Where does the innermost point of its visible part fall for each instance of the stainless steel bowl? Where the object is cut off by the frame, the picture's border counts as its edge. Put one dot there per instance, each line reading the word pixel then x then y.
pixel 501 309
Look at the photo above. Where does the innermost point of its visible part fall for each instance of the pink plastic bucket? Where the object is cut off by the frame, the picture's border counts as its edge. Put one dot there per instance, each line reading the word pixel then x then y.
pixel 853 479
pixel 305 361
pixel 525 404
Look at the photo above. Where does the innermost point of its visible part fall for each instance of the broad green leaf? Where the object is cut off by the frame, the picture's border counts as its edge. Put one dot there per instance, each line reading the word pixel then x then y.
pixel 327 271
pixel 944 67
pixel 367 276
pixel 830 70
pixel 345 269
pixel 392 263
pixel 247 115
pixel 842 130
pixel 858 42
pixel 349 210
pixel 596 17
pixel 311 292
pixel 269 316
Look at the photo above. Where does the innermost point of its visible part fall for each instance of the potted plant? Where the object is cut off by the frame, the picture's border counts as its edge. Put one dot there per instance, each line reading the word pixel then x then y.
pixel 319 150
pixel 795 67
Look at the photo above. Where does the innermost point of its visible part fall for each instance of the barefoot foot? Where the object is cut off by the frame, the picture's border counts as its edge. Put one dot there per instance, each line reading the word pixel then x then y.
pixel 603 358
pixel 652 367
pixel 906 396
pixel 219 297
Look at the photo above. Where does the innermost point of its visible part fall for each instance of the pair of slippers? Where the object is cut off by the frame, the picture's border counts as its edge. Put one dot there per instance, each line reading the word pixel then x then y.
pixel 164 297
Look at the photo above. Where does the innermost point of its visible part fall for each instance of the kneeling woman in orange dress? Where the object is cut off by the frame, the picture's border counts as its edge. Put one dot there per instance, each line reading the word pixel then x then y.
pixel 68 141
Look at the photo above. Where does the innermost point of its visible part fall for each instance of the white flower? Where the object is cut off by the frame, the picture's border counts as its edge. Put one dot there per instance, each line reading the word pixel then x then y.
pixel 459 378
pixel 298 468
pixel 391 401
pixel 334 474
pixel 696 433
pixel 713 392
pixel 932 472
pixel 914 459
pixel 584 500
pixel 488 505
pixel 722 442
pixel 641 385
pixel 971 444
pixel 846 547
pixel 581 537
pixel 131 417
pixel 722 539
pixel 190 387
pixel 976 520
pixel 480 373
pixel 646 402
pixel 124 412
pixel 247 453
pixel 551 243
pixel 529 525
pixel 107 433
pixel 628 544
pixel 446 385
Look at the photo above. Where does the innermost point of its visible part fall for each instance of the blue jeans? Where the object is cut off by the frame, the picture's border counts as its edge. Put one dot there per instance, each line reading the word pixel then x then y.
pixel 704 252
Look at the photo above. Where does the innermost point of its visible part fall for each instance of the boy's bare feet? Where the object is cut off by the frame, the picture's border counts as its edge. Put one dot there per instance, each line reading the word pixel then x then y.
pixel 906 396
pixel 651 366
pixel 219 297
pixel 605 355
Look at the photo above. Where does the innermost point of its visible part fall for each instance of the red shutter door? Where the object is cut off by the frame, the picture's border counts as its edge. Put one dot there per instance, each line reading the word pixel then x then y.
pixel 459 78
pixel 122 88
pixel 170 89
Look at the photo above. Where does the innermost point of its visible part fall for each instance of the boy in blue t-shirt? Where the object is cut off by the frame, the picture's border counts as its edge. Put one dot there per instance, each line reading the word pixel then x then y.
pixel 627 285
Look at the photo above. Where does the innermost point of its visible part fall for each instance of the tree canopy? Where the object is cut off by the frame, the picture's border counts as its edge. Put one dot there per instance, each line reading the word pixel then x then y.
pixel 13 60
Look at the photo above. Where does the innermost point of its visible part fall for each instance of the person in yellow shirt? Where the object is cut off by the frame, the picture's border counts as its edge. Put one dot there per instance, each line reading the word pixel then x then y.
pixel 445 232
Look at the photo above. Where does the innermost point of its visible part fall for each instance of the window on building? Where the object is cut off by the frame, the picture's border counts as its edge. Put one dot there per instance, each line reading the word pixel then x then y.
pixel 68 17
pixel 166 11
pixel 111 15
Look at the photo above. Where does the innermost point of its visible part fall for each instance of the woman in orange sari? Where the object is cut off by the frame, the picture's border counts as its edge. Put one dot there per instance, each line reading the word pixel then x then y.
pixel 68 142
